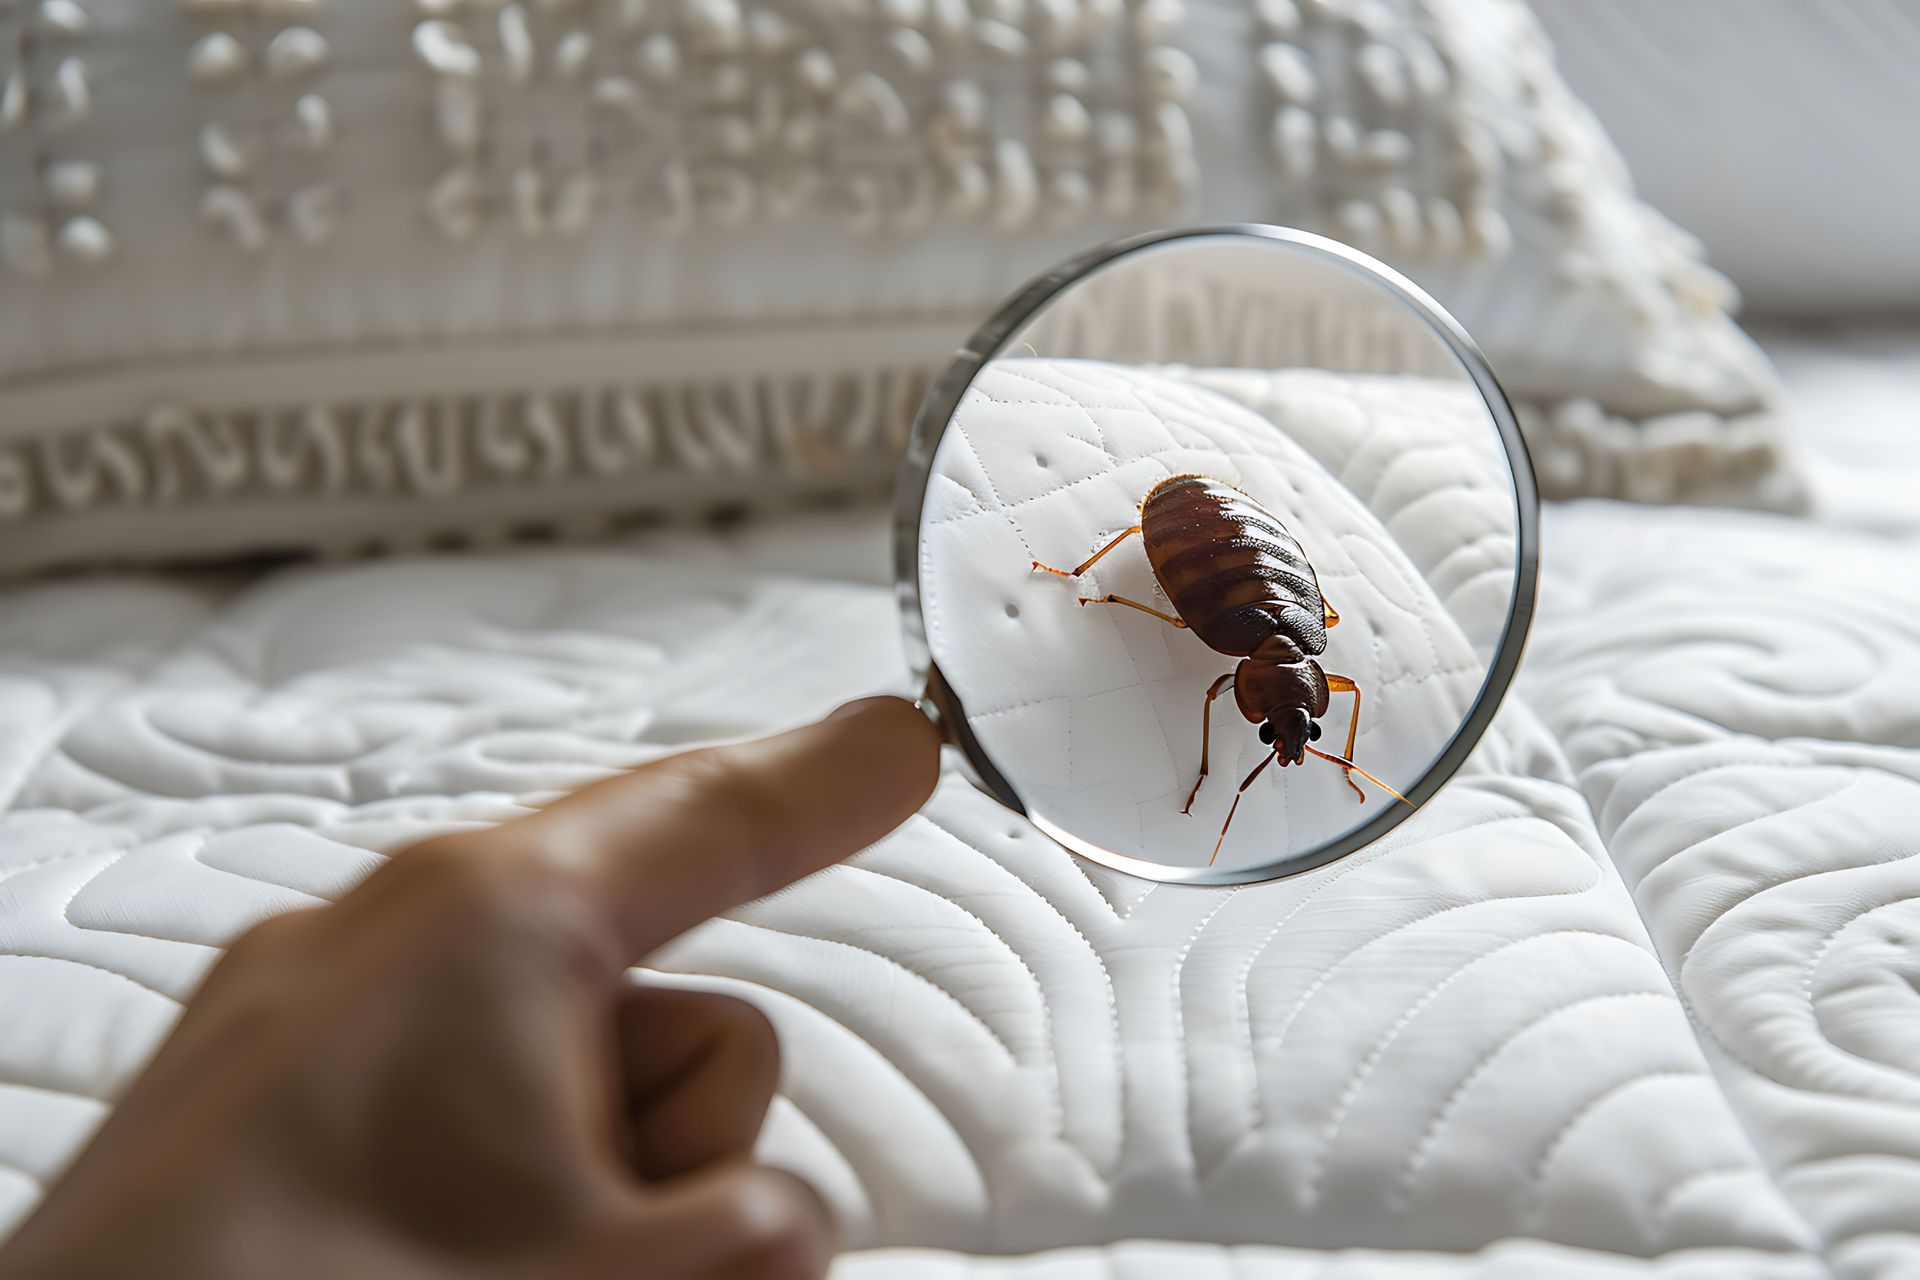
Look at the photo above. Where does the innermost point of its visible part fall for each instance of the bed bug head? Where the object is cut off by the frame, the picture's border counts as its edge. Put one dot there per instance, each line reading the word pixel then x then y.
pixel 1283 691
pixel 1292 729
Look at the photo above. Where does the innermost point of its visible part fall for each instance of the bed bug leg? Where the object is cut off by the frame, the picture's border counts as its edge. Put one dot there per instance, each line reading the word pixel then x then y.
pixel 1206 732
pixel 1091 560
pixel 1167 618
pixel 1247 782
pixel 1344 684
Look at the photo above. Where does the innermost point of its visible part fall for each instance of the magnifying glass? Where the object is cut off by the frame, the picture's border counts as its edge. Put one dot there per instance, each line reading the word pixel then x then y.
pixel 1216 549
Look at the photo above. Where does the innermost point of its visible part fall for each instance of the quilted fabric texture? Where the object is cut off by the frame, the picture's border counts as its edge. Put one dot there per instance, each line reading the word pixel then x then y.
pixel 1632 997
pixel 1777 877
pixel 330 275
pixel 1093 716
pixel 1459 1036
pixel 1159 1259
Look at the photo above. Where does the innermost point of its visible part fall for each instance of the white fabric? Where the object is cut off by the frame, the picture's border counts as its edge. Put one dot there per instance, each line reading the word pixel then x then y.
pixel 1163 1260
pixel 330 276
pixel 1853 403
pixel 1640 990
pixel 1093 713
pixel 1437 133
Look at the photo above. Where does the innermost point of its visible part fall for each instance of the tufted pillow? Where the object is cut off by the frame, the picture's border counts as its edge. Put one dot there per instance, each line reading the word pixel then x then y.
pixel 291 274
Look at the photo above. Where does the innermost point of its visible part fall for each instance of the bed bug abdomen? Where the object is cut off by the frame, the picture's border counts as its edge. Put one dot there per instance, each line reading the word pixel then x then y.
pixel 1230 569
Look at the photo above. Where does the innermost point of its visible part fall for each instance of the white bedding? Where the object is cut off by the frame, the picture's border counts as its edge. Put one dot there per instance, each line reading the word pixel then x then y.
pixel 1638 998
pixel 1853 404
pixel 1093 715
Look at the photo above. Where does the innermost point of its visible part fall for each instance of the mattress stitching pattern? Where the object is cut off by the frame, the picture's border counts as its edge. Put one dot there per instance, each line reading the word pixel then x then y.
pixel 1760 809
pixel 1168 1069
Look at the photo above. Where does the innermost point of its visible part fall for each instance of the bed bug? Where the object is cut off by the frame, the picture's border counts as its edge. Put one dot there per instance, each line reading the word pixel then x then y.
pixel 1241 583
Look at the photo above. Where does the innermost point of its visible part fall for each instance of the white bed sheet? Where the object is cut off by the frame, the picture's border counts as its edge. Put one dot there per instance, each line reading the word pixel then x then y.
pixel 1636 999
pixel 1853 407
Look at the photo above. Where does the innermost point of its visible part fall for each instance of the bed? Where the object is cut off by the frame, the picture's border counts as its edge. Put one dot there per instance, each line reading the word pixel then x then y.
pixel 1636 998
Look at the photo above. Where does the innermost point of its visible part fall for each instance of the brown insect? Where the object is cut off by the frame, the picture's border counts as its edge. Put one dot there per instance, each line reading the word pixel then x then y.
pixel 1239 581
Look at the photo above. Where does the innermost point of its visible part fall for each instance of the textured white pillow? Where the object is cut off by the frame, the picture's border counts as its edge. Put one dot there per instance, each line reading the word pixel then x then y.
pixel 285 274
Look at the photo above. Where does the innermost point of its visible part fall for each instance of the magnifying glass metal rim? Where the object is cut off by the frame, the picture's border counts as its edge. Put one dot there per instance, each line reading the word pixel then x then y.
pixel 942 399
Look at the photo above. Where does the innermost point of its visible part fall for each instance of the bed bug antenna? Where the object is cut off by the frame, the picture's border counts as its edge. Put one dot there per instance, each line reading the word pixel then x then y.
pixel 1258 769
pixel 1345 763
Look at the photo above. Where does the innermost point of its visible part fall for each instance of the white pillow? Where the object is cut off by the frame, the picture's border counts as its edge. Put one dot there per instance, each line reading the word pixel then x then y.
pixel 285 276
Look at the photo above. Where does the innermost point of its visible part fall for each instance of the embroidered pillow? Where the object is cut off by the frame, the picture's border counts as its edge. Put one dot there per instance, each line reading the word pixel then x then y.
pixel 289 275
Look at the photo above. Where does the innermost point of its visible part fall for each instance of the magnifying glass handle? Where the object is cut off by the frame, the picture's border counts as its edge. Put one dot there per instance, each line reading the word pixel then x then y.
pixel 929 704
pixel 939 704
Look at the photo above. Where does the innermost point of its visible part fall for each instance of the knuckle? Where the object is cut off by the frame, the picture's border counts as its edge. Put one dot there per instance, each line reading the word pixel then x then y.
pixel 244 996
pixel 781 1227
pixel 461 873
pixel 751 1026
pixel 265 939
pixel 489 887
pixel 440 856
pixel 752 1036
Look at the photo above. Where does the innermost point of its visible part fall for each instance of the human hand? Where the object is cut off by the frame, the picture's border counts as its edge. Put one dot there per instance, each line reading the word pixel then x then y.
pixel 447 1074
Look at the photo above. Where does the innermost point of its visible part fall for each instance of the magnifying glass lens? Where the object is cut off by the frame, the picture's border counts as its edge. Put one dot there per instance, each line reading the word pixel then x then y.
pixel 1219 553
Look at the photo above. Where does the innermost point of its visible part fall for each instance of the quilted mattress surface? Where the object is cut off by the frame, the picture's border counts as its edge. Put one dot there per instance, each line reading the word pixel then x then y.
pixel 1094 714
pixel 1635 995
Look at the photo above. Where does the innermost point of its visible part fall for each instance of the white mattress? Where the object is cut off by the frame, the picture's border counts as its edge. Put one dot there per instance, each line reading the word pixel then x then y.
pixel 1634 997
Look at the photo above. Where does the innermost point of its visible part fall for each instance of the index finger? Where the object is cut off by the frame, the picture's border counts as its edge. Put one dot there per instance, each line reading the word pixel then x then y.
pixel 681 839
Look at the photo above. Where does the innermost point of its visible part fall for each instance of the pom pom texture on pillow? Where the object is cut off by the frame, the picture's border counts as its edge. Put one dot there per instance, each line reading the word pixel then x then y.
pixel 292 276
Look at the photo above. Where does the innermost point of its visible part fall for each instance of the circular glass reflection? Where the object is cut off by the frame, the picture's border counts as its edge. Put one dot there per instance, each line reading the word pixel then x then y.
pixel 1218 550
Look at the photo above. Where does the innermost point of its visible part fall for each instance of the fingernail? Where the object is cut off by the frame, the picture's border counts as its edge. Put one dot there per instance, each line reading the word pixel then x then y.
pixel 859 706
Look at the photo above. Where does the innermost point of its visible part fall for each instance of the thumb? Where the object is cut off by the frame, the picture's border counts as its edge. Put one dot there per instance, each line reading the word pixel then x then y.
pixel 731 1222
